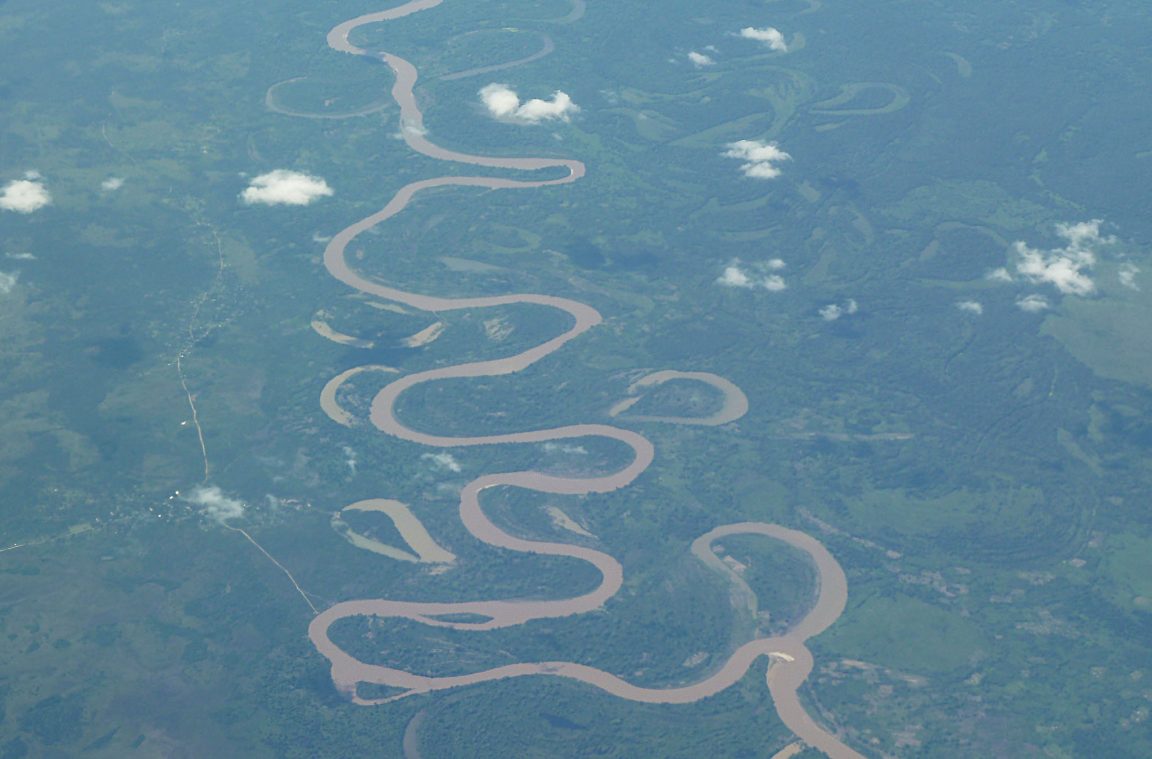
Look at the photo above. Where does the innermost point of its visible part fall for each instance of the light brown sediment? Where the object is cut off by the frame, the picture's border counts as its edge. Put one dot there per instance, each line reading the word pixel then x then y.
pixel 790 660
pixel 409 526
pixel 425 336
pixel 789 751
pixel 322 328
pixel 565 522
pixel 579 8
pixel 344 530
pixel 411 741
pixel 328 402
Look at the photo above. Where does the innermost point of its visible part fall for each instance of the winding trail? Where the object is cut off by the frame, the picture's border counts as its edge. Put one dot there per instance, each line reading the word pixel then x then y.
pixel 791 662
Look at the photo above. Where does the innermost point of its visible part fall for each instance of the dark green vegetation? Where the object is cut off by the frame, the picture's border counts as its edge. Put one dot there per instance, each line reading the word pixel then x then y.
pixel 983 479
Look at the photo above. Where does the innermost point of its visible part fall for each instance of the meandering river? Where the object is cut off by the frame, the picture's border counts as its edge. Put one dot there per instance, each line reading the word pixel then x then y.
pixel 790 661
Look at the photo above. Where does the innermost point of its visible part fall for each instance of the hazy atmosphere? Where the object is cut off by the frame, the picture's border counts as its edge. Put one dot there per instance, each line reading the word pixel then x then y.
pixel 574 378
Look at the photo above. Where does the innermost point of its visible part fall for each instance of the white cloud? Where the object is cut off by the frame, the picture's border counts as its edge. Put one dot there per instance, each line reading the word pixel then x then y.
pixel 700 60
pixel 283 187
pixel 774 282
pixel 500 100
pixel 20 256
pixel 1127 276
pixel 760 158
pixel 734 276
pixel 1065 272
pixel 443 461
pixel 112 184
pixel 769 35
pixel 971 306
pixel 1067 268
pixel 565 448
pixel 25 195
pixel 1083 234
pixel 1032 303
pixel 33 175
pixel 832 311
pixel 7 282
pixel 999 275
pixel 503 103
pixel 350 459
pixel 215 505
pixel 737 275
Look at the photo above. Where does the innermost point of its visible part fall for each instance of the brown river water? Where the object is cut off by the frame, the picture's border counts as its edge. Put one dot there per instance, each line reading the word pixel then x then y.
pixel 790 662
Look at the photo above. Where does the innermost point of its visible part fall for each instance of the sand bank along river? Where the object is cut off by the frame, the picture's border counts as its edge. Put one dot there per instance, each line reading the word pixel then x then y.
pixel 790 662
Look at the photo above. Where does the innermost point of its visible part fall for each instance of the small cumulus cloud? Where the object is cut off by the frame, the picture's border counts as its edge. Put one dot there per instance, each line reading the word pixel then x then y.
pixel 1032 303
pixel 1067 273
pixel 8 282
pixel 1083 234
pixel 734 276
pixel 769 35
pixel 756 276
pixel 565 448
pixel 1067 268
pixel 971 306
pixel 700 60
pixel 284 187
pixel 760 158
pixel 445 461
pixel 503 103
pixel 215 505
pixel 1127 276
pixel 112 184
pixel 20 256
pixel 833 311
pixel 999 275
pixel 25 195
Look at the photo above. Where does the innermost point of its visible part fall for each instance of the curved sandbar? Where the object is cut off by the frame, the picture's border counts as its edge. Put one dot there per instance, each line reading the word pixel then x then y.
pixel 579 8
pixel 735 401
pixel 411 529
pixel 425 336
pixel 792 661
pixel 325 330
